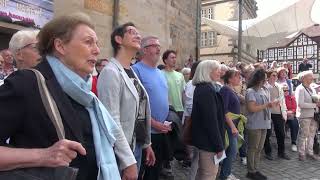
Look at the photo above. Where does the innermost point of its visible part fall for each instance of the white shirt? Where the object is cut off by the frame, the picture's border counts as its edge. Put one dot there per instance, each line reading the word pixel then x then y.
pixel 188 99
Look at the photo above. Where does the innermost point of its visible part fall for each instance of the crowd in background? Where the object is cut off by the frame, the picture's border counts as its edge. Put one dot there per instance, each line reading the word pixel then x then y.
pixel 132 117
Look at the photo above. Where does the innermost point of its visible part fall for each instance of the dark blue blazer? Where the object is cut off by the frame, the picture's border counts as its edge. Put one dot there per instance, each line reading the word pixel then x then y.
pixel 24 119
pixel 208 119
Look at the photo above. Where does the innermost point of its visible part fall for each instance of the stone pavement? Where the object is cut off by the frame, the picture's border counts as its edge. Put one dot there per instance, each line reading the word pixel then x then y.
pixel 278 169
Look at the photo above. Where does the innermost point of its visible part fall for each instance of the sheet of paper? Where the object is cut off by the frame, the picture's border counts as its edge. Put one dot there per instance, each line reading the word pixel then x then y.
pixel 217 160
pixel 167 123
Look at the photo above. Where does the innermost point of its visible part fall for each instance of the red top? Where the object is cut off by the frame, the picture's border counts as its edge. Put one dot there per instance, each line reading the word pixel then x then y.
pixel 94 85
pixel 290 71
pixel 291 103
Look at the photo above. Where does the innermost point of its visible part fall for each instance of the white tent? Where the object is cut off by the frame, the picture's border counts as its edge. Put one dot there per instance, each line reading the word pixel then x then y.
pixel 262 33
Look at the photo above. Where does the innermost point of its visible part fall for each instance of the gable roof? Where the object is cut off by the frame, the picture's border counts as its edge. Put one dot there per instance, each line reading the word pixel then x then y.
pixel 313 32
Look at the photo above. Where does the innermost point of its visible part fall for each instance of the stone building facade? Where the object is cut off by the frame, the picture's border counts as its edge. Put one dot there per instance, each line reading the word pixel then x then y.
pixel 220 47
pixel 173 21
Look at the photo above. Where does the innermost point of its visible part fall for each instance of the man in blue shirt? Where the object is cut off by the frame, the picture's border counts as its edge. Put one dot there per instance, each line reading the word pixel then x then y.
pixel 156 86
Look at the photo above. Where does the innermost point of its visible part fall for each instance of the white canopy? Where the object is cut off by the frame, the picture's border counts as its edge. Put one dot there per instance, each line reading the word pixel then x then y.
pixel 262 33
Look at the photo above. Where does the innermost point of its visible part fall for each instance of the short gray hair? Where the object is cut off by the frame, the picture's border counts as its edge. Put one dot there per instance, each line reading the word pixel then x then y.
pixel 302 74
pixel 204 70
pixel 144 41
pixel 185 70
pixel 224 67
pixel 21 39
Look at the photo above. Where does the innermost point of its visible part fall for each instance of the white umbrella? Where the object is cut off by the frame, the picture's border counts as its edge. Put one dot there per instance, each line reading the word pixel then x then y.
pixel 266 32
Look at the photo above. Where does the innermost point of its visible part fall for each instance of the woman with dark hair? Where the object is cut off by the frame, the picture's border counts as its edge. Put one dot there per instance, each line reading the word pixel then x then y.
pixel 259 120
pixel 123 94
pixel 231 106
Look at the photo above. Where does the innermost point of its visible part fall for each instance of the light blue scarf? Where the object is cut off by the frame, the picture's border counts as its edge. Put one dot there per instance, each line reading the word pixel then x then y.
pixel 104 129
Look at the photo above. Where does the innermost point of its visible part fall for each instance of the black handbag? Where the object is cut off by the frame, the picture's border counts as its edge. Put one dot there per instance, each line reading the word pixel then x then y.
pixel 317 117
pixel 140 128
pixel 44 173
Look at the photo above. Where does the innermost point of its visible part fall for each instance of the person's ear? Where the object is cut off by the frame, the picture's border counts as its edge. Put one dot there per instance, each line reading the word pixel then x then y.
pixel 118 39
pixel 59 46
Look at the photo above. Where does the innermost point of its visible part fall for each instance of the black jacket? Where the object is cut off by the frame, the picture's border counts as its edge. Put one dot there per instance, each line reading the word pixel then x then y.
pixel 208 119
pixel 24 119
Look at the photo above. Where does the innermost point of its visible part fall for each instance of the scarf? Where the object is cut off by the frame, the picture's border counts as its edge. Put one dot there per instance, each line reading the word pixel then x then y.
pixel 104 129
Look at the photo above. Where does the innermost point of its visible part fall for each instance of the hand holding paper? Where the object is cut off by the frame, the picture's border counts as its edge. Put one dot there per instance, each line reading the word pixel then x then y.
pixel 217 159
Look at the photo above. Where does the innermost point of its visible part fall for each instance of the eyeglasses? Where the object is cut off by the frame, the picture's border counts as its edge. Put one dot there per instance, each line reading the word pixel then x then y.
pixel 274 75
pixel 132 32
pixel 153 45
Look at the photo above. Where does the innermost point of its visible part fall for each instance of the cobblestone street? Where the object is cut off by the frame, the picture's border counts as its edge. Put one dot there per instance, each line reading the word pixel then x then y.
pixel 277 169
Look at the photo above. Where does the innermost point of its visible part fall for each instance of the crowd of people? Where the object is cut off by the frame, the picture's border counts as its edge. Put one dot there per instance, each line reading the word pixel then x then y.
pixel 132 117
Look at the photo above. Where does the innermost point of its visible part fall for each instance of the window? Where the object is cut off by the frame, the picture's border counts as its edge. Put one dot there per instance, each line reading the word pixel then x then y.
pixel 300 51
pixel 208 39
pixel 309 51
pixel 203 13
pixel 203 39
pixel 207 13
pixel 300 40
pixel 210 14
pixel 211 38
pixel 290 53
pixel 280 53
pixel 271 53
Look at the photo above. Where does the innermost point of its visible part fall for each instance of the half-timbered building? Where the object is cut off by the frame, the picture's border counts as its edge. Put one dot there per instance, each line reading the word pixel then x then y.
pixel 303 45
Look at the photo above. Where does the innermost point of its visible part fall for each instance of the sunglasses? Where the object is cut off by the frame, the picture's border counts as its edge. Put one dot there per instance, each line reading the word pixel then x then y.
pixel 285 90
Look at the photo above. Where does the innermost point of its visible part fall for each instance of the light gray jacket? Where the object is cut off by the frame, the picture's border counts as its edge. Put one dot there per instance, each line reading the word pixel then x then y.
pixel 118 93
pixel 305 106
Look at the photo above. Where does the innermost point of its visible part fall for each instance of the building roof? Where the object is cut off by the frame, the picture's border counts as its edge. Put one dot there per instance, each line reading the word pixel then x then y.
pixel 313 32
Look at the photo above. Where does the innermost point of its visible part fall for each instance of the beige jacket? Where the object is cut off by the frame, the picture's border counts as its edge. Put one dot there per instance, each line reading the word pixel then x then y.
pixel 305 106
pixel 281 98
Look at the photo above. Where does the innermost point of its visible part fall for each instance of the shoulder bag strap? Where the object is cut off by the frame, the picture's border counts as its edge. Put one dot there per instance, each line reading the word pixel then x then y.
pixel 315 109
pixel 49 104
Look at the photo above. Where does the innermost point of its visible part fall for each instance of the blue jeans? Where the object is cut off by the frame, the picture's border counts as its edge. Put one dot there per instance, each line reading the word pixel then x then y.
pixel 138 155
pixel 294 129
pixel 231 154
pixel 243 148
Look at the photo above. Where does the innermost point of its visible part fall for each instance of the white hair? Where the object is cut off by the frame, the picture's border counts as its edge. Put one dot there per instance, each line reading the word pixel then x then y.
pixel 302 74
pixel 186 70
pixel 21 39
pixel 204 70
pixel 224 67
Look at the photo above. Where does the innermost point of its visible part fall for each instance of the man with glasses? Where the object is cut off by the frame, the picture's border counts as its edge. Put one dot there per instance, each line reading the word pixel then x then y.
pixel 156 86
pixel 23 45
